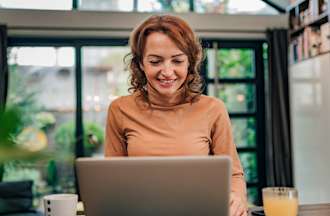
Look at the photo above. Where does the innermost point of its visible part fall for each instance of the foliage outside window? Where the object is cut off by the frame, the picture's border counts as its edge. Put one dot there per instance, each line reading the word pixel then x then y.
pixel 36 87
pixel 235 70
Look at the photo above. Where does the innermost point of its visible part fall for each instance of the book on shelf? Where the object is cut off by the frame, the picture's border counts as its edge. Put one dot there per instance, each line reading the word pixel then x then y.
pixel 323 6
pixel 313 41
pixel 325 37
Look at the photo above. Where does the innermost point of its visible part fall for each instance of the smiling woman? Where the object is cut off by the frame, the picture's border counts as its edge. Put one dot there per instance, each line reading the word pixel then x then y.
pixel 166 114
pixel 164 64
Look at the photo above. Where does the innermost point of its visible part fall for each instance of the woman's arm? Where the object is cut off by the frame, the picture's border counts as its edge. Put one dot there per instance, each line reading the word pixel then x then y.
pixel 223 144
pixel 115 144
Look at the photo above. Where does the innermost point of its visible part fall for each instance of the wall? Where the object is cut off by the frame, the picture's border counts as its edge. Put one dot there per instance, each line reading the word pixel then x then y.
pixel 310 113
pixel 120 24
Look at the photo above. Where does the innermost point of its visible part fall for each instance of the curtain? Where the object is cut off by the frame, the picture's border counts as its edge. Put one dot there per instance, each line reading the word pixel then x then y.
pixel 3 66
pixel 3 75
pixel 278 147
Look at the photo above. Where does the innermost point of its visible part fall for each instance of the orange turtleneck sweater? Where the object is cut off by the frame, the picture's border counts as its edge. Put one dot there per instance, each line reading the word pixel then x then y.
pixel 169 128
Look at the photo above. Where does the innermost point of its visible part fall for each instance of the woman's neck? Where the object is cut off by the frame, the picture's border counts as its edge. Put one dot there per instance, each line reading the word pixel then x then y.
pixel 158 99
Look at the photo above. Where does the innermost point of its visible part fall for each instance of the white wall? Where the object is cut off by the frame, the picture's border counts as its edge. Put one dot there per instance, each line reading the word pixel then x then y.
pixel 120 24
pixel 310 114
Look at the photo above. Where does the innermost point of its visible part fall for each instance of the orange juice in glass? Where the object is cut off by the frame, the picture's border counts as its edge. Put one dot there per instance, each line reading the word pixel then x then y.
pixel 280 201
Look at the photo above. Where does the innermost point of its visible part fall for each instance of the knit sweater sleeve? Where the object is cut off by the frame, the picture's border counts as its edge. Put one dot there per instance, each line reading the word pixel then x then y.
pixel 223 144
pixel 115 144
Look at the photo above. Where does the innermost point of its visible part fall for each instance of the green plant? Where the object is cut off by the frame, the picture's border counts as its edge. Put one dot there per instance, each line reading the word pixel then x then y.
pixel 65 137
pixel 12 148
pixel 45 120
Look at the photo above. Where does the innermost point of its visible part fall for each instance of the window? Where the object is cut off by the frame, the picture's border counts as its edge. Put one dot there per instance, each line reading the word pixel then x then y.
pixel 233 7
pixel 199 6
pixel 104 79
pixel 55 90
pixel 79 82
pixel 110 5
pixel 234 73
pixel 37 4
pixel 43 89
pixel 161 5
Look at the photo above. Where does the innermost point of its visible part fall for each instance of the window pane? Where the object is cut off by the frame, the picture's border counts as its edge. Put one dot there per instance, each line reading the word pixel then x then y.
pixel 232 63
pixel 233 7
pixel 42 85
pixel 249 163
pixel 111 5
pixel 104 79
pixel 37 4
pixel 237 97
pixel 244 130
pixel 161 5
pixel 252 193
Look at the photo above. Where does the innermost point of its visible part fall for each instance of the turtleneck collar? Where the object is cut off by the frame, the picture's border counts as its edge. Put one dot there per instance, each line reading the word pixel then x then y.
pixel 159 100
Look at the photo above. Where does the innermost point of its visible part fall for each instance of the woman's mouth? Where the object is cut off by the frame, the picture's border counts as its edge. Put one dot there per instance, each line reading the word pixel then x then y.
pixel 166 83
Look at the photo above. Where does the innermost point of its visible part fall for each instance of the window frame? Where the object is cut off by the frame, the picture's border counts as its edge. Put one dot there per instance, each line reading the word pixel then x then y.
pixel 254 44
pixel 75 5
pixel 259 81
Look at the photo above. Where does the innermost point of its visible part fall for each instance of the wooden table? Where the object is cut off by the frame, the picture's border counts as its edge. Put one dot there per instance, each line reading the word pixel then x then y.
pixel 309 210
pixel 304 210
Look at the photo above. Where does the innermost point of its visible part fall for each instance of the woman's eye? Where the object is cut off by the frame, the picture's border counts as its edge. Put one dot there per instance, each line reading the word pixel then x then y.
pixel 177 61
pixel 154 62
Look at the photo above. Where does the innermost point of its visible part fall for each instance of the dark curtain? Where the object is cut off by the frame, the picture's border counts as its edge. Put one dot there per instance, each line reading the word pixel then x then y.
pixel 278 147
pixel 3 75
pixel 3 66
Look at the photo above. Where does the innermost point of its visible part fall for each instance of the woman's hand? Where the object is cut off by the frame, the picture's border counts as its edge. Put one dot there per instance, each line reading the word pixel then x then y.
pixel 237 206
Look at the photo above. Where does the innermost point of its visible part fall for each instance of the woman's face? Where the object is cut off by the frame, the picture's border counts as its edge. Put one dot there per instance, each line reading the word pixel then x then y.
pixel 164 64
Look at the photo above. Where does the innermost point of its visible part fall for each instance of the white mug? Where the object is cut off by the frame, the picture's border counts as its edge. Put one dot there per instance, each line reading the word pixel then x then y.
pixel 60 204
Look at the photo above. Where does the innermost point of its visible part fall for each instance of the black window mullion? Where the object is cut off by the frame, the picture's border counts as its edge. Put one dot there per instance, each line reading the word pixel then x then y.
pixel 242 115
pixel 79 132
pixel 79 150
pixel 246 149
pixel 74 4
pixel 191 6
pixel 258 82
pixel 135 5
pixel 252 184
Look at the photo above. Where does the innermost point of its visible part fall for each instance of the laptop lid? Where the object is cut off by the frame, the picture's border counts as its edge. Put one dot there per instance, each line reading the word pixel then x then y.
pixel 149 186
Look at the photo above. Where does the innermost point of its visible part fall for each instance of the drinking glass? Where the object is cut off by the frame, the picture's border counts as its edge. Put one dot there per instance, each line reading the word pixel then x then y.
pixel 280 201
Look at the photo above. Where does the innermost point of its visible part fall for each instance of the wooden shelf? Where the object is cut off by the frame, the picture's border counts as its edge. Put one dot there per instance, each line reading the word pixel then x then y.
pixel 323 18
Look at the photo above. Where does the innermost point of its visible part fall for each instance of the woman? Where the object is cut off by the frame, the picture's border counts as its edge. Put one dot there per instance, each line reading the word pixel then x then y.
pixel 166 114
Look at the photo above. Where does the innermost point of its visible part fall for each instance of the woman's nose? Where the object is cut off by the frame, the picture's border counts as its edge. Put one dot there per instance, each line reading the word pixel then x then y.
pixel 167 70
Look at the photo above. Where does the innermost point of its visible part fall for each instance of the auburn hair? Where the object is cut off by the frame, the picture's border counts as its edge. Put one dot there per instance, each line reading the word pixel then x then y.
pixel 185 39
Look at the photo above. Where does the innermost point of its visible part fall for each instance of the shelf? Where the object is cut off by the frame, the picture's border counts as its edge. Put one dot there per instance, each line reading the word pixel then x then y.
pixel 323 18
pixel 293 6
pixel 305 59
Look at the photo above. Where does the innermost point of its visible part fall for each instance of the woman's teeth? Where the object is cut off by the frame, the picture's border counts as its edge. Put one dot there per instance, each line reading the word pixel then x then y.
pixel 166 81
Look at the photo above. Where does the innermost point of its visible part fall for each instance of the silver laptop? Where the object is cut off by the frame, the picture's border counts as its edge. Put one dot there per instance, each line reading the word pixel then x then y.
pixel 149 186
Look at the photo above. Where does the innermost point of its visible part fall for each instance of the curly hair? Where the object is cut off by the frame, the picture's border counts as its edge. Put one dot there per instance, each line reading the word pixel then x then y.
pixel 183 36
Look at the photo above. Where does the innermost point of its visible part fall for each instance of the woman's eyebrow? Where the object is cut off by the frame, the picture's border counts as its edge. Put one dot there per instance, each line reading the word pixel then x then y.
pixel 158 56
pixel 177 55
pixel 154 55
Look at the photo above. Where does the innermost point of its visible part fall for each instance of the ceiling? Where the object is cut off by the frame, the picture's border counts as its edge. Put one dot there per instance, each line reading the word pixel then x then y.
pixel 281 3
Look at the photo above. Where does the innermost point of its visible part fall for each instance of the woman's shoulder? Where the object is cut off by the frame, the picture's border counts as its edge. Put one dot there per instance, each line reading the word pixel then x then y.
pixel 121 101
pixel 211 102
